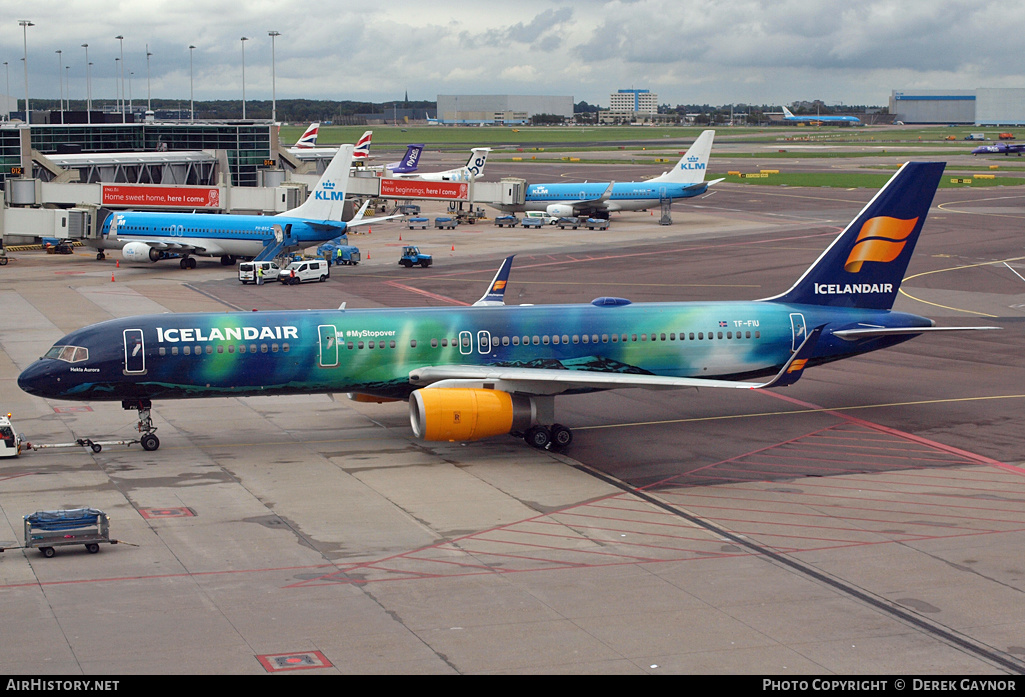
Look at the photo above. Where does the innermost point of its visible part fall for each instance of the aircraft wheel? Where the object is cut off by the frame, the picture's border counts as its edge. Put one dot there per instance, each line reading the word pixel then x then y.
pixel 561 436
pixel 184 263
pixel 100 256
pixel 538 436
pixel 149 442
pixel 96 447
pixel 192 262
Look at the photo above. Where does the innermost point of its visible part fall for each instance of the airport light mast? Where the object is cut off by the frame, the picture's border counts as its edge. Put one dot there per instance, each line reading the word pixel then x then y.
pixel 244 40
pixel 88 86
pixel 25 24
pixel 121 39
pixel 60 81
pixel 273 86
pixel 192 102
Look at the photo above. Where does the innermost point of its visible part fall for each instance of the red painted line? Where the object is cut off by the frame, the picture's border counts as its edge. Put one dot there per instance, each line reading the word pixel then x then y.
pixel 980 459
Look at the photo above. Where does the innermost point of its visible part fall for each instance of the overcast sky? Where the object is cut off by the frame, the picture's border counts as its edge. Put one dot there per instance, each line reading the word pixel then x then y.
pixel 687 51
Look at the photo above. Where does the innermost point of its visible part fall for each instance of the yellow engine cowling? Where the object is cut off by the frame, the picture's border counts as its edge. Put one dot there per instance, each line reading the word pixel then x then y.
pixel 459 414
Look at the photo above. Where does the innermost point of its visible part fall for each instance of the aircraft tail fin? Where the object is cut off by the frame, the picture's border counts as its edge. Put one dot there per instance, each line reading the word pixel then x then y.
pixel 692 166
pixel 478 158
pixel 495 294
pixel 309 137
pixel 787 113
pixel 361 151
pixel 409 161
pixel 328 196
pixel 864 265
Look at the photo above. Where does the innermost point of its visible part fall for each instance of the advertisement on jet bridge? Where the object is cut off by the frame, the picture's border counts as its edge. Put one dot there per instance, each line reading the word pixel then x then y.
pixel 161 196
pixel 405 188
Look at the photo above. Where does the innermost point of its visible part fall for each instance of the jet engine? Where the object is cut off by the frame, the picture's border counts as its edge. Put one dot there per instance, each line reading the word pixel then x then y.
pixel 560 210
pixel 460 414
pixel 139 251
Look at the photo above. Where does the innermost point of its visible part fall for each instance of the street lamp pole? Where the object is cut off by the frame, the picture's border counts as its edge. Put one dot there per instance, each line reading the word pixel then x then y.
pixel 244 40
pixel 149 104
pixel 88 86
pixel 192 103
pixel 7 92
pixel 273 79
pixel 121 39
pixel 60 81
pixel 25 24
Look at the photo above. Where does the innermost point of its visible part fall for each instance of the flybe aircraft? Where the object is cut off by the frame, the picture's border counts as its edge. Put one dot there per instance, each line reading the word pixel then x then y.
pixel 491 369
pixel 789 116
pixel 473 168
pixel 150 237
pixel 684 180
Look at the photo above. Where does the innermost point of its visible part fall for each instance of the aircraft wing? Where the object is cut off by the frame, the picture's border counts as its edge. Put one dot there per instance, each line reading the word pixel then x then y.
pixel 547 381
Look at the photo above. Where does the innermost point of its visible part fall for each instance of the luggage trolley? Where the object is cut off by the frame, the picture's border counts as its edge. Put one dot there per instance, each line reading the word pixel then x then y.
pixel 45 530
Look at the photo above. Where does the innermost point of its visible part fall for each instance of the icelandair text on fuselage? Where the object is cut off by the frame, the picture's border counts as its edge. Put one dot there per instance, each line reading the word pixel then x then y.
pixel 915 684
pixel 837 289
pixel 62 685
pixel 227 334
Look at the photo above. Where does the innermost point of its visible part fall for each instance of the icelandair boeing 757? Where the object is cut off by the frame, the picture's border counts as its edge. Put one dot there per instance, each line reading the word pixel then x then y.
pixel 490 369
pixel 684 180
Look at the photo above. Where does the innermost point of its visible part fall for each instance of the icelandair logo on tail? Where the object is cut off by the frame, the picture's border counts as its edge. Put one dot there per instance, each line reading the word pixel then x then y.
pixel 881 239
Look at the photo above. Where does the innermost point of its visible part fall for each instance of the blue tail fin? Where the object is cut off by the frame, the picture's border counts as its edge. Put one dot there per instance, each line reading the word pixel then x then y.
pixel 864 266
pixel 409 161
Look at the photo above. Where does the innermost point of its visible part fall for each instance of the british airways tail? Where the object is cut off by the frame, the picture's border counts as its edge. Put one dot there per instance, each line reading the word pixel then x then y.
pixel 361 152
pixel 309 138
pixel 327 199
pixel 692 166
pixel 865 264
pixel 409 161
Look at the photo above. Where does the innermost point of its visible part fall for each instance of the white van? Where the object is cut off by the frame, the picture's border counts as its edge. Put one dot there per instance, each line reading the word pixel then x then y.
pixel 545 218
pixel 306 270
pixel 247 271
pixel 10 442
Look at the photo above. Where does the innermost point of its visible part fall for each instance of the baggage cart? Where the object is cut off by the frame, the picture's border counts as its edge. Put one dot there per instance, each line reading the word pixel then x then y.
pixel 45 530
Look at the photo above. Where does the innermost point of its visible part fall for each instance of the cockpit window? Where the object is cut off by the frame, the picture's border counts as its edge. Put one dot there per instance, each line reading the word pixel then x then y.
pixel 69 354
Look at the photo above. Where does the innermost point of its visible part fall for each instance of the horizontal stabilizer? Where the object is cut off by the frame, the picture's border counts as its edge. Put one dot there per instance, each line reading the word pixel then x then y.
pixel 871 332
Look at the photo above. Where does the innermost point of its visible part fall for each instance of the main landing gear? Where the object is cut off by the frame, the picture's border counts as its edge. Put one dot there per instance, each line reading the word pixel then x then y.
pixel 148 440
pixel 187 263
pixel 554 437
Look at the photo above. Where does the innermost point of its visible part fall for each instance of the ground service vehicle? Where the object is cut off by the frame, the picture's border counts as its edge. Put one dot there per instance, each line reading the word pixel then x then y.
pixel 45 530
pixel 306 270
pixel 411 257
pixel 507 220
pixel 247 271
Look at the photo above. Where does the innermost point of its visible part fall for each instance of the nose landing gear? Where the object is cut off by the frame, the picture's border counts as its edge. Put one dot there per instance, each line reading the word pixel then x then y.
pixel 148 440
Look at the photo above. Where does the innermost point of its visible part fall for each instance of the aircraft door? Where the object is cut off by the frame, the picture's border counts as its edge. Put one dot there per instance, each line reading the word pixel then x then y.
pixel 328 344
pixel 135 352
pixel 798 329
pixel 484 342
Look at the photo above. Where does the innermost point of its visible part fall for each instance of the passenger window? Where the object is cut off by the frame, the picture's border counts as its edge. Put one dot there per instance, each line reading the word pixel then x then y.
pixel 544 339
pixel 412 343
pixel 434 343
pixel 605 338
pixel 516 341
pixel 536 340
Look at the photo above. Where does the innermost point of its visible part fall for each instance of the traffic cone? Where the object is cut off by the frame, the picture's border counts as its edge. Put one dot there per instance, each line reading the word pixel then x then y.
pixel 400 237
pixel 453 248
pixel 368 256
pixel 117 263
pixel 111 276
pixel 370 230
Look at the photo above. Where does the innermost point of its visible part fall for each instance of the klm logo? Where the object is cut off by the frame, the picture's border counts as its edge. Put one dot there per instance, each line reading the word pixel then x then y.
pixel 326 192
pixel 692 164
pixel 541 190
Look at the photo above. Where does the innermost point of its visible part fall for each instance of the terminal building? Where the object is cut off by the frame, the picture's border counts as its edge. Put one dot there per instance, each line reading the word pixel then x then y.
pixel 499 109
pixel 979 107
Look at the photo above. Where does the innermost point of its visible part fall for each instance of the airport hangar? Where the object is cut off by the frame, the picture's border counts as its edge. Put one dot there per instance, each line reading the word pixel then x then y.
pixel 62 180
pixel 980 107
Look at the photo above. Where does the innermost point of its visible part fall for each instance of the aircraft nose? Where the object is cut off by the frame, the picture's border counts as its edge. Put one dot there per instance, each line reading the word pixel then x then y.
pixel 36 380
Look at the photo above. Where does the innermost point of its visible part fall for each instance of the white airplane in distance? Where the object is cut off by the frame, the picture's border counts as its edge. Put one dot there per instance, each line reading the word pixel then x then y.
pixel 473 168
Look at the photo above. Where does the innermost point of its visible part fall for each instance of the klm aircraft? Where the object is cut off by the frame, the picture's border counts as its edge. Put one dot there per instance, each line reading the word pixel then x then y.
pixel 150 237
pixel 491 369
pixel 684 180
pixel 789 116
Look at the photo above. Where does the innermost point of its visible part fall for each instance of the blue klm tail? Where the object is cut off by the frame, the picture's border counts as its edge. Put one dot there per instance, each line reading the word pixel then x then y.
pixel 864 266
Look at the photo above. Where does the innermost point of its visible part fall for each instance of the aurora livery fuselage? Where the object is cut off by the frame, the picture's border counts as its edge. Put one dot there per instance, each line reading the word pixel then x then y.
pixel 479 371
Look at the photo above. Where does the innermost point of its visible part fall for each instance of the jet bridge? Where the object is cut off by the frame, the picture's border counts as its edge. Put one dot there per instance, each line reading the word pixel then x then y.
pixel 199 167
